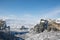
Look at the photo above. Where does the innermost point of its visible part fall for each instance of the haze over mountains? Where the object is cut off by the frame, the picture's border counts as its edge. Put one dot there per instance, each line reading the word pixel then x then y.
pixel 16 22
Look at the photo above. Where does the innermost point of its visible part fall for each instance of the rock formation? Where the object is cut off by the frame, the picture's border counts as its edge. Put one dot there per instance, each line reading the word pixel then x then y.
pixel 46 25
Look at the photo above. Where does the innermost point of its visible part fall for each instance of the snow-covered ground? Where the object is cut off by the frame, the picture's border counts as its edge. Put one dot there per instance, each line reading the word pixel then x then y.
pixel 44 36
pixel 18 30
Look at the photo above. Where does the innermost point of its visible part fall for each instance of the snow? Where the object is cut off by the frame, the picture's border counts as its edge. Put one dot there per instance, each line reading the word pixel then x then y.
pixel 57 20
pixel 52 35
pixel 42 21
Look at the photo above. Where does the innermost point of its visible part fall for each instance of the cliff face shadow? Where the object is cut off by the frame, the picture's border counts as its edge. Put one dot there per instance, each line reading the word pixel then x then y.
pixel 8 36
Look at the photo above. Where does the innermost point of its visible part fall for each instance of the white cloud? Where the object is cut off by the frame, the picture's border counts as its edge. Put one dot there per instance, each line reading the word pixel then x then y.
pixel 53 13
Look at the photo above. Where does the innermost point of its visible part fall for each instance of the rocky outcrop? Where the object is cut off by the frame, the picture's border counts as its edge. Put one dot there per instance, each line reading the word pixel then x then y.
pixel 46 24
pixel 52 25
pixel 41 26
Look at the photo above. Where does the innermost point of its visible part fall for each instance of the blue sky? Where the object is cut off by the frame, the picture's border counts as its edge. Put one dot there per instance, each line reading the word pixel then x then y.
pixel 22 7
pixel 31 10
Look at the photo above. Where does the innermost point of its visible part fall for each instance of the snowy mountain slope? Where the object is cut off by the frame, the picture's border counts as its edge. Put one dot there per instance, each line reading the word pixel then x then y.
pixel 45 36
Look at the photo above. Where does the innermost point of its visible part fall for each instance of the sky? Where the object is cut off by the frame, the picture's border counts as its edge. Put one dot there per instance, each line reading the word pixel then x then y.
pixel 29 12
